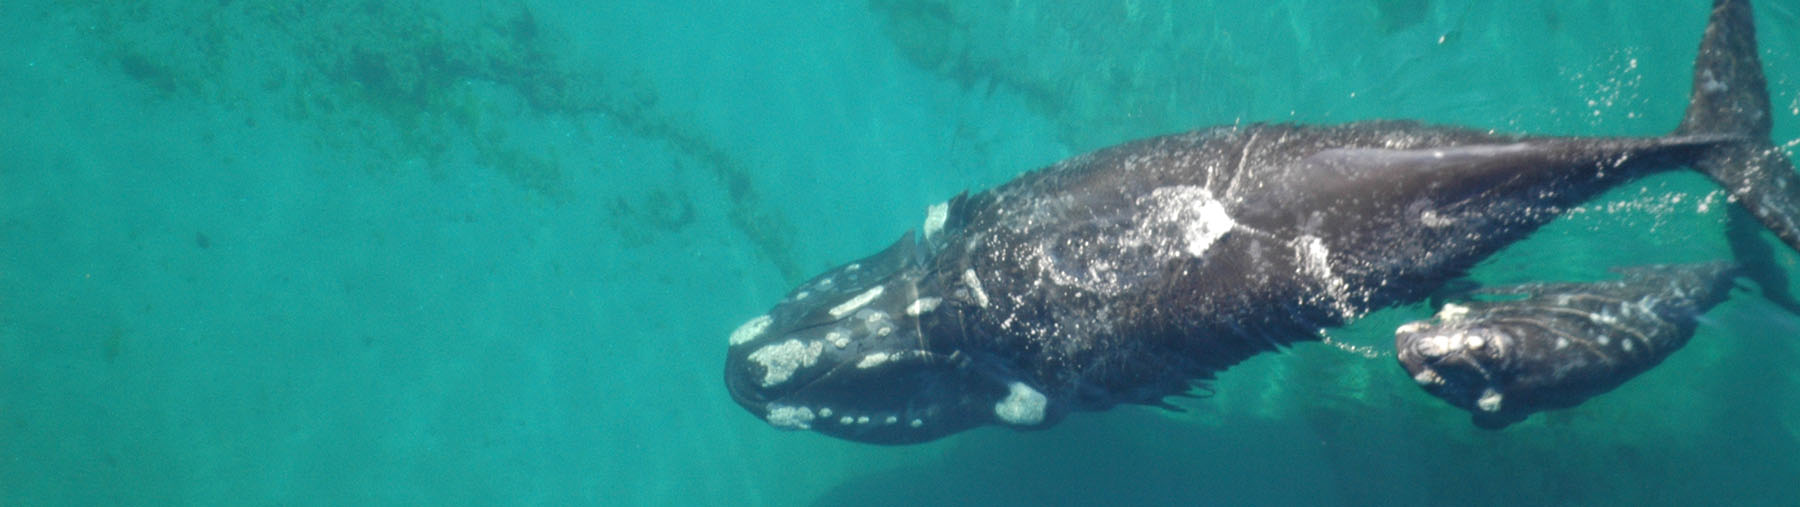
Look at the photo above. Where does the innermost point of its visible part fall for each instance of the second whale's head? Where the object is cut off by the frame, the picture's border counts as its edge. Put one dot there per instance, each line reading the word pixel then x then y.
pixel 871 351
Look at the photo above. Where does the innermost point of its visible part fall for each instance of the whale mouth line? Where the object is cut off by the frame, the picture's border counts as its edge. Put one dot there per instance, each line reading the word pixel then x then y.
pixel 920 397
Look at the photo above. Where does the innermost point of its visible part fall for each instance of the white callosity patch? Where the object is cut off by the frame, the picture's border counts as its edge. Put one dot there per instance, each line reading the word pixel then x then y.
pixel 782 416
pixel 1473 341
pixel 1201 218
pixel 872 360
pixel 1452 312
pixel 935 216
pixel 922 305
pixel 838 338
pixel 981 297
pixel 842 309
pixel 750 330
pixel 1022 405
pixel 1428 377
pixel 1489 401
pixel 875 322
pixel 1442 344
pixel 1437 345
pixel 780 360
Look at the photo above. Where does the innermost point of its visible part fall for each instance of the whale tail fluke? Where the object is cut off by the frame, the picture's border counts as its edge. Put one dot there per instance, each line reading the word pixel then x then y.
pixel 1731 98
pixel 1730 95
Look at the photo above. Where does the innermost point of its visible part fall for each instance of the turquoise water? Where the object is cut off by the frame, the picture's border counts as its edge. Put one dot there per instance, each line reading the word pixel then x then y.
pixel 345 253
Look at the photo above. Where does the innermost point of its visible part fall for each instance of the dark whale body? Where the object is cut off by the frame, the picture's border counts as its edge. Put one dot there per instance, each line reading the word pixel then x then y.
pixel 1502 353
pixel 1125 275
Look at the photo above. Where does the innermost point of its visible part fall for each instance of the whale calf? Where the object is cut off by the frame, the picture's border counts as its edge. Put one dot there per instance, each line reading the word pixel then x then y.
pixel 1553 345
pixel 1131 273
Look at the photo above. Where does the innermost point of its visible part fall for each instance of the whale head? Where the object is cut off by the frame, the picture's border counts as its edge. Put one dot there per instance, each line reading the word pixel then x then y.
pixel 870 352
pixel 1467 363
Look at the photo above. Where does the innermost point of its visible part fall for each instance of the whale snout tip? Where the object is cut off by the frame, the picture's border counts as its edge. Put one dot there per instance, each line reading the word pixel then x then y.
pixel 857 366
pixel 871 351
pixel 844 354
pixel 1456 362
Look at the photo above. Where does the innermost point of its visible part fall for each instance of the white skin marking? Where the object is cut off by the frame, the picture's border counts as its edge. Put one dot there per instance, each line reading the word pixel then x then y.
pixel 1710 83
pixel 1606 317
pixel 875 322
pixel 922 305
pixel 1489 402
pixel 1022 406
pixel 1428 377
pixel 981 297
pixel 1201 217
pixel 786 417
pixel 872 360
pixel 935 216
pixel 1174 221
pixel 1433 220
pixel 839 311
pixel 1435 346
pixel 750 330
pixel 1474 341
pixel 780 360
pixel 1315 261
pixel 1231 190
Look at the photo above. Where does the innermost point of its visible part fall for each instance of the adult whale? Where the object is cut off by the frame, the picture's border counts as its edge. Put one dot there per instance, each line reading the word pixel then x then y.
pixel 1128 274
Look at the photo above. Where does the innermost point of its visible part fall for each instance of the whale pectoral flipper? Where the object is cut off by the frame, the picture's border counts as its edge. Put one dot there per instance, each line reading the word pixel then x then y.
pixel 1554 345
